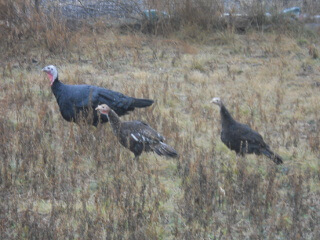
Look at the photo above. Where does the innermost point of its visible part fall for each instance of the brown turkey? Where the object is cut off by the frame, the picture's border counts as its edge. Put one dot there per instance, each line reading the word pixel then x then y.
pixel 241 138
pixel 137 136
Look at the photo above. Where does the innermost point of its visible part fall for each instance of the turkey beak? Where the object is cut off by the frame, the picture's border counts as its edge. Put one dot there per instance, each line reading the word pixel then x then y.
pixel 44 70
pixel 98 108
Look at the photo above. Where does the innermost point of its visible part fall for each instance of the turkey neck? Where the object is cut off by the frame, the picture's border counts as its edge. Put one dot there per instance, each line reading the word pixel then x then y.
pixel 115 122
pixel 57 88
pixel 226 117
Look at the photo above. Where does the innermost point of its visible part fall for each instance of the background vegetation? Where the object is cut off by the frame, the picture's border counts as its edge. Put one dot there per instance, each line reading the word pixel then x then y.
pixel 59 180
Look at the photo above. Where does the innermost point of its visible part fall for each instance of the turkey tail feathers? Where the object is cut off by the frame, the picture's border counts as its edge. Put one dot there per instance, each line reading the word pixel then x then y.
pixel 273 156
pixel 141 103
pixel 163 149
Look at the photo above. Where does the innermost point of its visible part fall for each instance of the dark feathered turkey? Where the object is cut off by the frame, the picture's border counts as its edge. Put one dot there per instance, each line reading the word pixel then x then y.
pixel 241 138
pixel 137 136
pixel 77 101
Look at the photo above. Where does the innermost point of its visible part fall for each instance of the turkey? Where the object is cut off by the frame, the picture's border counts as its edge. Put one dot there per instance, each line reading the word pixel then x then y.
pixel 137 136
pixel 77 101
pixel 241 138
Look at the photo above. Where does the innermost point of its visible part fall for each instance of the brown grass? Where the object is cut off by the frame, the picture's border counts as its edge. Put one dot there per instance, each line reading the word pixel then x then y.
pixel 59 180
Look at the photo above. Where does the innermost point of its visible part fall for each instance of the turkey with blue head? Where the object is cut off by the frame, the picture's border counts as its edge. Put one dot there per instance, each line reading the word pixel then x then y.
pixel 80 101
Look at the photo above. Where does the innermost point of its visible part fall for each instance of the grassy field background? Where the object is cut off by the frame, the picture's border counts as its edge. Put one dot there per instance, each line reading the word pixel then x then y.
pixel 59 180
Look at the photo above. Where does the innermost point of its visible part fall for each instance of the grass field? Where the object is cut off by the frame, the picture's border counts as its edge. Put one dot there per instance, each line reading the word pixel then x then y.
pixel 59 180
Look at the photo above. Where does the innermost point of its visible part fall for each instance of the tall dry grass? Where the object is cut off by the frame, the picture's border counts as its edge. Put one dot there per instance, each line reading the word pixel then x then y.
pixel 59 180
pixel 25 25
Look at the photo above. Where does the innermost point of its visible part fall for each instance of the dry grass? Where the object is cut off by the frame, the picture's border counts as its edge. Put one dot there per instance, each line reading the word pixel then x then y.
pixel 63 181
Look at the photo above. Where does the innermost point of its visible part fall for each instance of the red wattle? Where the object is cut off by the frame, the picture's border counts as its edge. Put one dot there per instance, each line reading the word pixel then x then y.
pixel 51 78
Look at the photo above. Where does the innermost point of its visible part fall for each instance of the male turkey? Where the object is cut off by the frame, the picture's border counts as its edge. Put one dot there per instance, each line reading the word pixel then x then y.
pixel 77 101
